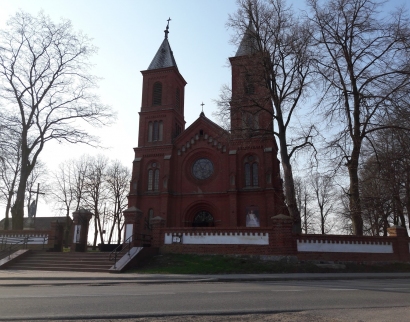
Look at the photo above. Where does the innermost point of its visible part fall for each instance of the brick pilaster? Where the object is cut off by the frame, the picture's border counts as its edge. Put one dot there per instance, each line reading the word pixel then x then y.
pixel 401 245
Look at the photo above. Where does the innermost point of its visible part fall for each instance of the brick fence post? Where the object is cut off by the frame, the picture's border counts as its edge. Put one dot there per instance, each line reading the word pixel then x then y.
pixel 157 223
pixel 401 246
pixel 55 239
pixel 281 239
pixel 133 225
pixel 81 221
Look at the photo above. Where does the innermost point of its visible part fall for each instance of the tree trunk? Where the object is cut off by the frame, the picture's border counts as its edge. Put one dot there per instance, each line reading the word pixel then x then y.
pixel 305 213
pixel 290 192
pixel 354 194
pixel 95 233
pixel 67 227
pixel 8 206
pixel 408 195
pixel 322 220
pixel 17 211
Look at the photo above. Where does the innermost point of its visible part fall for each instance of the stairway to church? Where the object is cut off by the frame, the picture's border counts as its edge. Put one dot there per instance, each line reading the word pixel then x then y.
pixel 53 261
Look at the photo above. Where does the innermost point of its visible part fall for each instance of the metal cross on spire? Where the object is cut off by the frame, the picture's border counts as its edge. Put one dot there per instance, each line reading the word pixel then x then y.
pixel 202 105
pixel 167 29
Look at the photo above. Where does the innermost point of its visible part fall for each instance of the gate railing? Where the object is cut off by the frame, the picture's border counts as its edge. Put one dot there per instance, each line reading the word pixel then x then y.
pixel 127 245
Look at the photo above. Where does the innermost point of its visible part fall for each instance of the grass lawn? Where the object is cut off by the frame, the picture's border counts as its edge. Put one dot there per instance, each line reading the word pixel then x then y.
pixel 223 264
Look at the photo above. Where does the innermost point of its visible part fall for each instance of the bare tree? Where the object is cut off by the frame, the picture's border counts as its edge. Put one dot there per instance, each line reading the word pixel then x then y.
pixel 64 192
pixel 363 60
pixel 118 178
pixel 384 181
pixel 10 162
pixel 281 63
pixel 46 87
pixel 95 193
pixel 323 189
pixel 304 198
pixel 376 199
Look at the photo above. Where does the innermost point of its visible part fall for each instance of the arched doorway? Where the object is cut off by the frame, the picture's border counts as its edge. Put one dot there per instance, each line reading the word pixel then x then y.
pixel 203 219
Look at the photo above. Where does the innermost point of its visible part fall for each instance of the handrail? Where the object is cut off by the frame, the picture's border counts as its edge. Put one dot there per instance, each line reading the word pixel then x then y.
pixel 23 240
pixel 16 242
pixel 116 251
pixel 126 245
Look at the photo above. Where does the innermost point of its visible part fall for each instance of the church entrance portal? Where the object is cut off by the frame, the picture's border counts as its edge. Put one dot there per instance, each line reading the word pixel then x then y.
pixel 203 219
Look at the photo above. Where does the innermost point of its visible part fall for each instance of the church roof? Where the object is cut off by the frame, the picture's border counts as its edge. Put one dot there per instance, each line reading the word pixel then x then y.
pixel 249 44
pixel 164 56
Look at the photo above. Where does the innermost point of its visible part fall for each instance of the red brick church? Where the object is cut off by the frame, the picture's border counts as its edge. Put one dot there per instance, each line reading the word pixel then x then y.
pixel 203 175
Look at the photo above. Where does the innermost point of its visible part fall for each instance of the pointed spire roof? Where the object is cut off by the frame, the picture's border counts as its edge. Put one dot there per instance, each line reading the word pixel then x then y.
pixel 164 56
pixel 249 44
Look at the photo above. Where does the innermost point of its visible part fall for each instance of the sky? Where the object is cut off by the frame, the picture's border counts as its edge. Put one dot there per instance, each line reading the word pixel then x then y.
pixel 128 33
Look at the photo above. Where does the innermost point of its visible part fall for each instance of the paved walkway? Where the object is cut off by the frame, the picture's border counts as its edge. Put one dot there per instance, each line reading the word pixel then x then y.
pixel 22 278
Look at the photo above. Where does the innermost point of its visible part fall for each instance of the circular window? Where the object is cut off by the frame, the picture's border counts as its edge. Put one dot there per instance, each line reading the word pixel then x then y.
pixel 202 169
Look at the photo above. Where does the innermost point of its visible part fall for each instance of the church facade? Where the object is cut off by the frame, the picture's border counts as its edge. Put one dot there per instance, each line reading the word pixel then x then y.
pixel 203 175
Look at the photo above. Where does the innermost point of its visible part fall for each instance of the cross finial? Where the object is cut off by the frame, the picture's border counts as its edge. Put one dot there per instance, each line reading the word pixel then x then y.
pixel 166 30
pixel 202 106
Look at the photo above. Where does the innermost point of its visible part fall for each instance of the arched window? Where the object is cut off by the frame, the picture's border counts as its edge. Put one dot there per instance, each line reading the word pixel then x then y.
pixel 160 130
pixel 203 219
pixel 150 127
pixel 150 177
pixel 153 177
pixel 251 172
pixel 157 94
pixel 177 129
pixel 156 179
pixel 249 86
pixel 155 131
pixel 250 121
pixel 247 174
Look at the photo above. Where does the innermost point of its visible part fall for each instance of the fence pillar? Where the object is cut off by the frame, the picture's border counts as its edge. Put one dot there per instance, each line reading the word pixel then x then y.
pixel 281 240
pixel 81 222
pixel 55 239
pixel 133 223
pixel 401 246
pixel 157 223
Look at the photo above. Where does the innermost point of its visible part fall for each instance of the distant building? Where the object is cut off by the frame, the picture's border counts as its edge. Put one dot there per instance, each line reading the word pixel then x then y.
pixel 203 175
pixel 40 223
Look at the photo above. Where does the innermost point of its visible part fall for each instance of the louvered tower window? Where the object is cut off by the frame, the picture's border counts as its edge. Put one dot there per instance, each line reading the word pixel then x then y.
pixel 157 94
pixel 251 172
pixel 153 177
pixel 249 86
pixel 155 131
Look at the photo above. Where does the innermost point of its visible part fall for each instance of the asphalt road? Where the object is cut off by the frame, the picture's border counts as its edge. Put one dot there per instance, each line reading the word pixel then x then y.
pixel 362 299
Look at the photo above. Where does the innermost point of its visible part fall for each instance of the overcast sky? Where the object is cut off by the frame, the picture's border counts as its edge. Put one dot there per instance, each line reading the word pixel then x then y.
pixel 128 34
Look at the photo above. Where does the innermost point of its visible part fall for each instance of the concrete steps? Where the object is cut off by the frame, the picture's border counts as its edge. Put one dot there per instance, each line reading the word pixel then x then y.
pixel 49 261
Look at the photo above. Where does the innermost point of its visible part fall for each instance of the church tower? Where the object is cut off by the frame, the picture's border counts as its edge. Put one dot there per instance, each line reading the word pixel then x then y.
pixel 161 121
pixel 251 107
pixel 162 107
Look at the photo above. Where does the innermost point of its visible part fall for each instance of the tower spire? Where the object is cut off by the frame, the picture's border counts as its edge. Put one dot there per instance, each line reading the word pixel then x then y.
pixel 164 57
pixel 167 29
